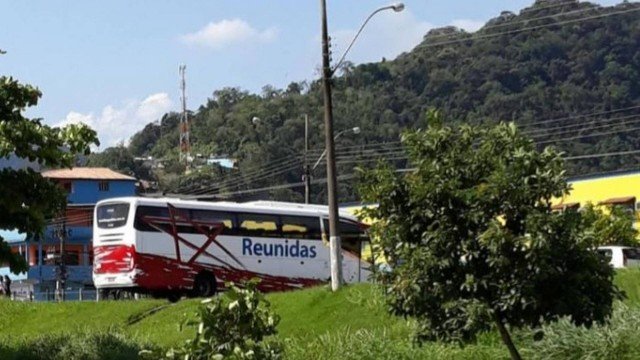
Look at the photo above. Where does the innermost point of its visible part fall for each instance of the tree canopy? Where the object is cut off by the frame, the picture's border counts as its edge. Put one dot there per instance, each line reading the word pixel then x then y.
pixel 27 199
pixel 472 240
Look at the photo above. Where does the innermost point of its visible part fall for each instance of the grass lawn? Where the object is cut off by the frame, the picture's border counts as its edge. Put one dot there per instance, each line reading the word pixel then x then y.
pixel 350 324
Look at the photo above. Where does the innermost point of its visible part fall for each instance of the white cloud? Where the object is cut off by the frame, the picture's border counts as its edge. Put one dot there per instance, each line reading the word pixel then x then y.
pixel 468 24
pixel 118 124
pixel 225 33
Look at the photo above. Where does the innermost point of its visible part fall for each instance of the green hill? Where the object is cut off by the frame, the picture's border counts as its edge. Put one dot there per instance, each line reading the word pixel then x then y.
pixel 545 68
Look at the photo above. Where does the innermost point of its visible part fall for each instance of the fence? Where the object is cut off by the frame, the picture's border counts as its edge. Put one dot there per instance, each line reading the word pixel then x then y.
pixel 68 295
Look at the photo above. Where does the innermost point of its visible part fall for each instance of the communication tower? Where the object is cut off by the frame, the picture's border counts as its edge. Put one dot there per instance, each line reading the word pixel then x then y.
pixel 185 146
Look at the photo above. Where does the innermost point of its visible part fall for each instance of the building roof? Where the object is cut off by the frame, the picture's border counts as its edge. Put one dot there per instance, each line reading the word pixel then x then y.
pixel 619 200
pixel 86 173
pixel 563 206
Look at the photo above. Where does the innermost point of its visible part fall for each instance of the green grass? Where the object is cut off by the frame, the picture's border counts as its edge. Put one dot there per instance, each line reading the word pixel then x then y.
pixel 29 319
pixel 629 281
pixel 352 324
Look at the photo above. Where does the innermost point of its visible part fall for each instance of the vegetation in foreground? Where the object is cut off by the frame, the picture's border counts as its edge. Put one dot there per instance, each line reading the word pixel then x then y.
pixel 473 242
pixel 315 324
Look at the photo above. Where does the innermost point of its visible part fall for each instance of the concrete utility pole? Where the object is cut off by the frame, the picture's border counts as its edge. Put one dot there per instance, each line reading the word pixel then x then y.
pixel 185 146
pixel 335 244
pixel 327 73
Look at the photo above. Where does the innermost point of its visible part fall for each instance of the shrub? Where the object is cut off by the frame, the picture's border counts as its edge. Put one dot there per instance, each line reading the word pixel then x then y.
pixel 103 345
pixel 616 340
pixel 234 326
pixel 385 344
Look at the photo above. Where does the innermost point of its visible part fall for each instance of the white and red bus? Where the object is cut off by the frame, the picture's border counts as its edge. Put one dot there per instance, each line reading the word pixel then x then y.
pixel 169 247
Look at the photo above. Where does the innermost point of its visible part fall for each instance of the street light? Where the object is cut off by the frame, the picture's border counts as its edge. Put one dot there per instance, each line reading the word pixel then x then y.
pixel 327 73
pixel 397 7
pixel 306 177
pixel 355 130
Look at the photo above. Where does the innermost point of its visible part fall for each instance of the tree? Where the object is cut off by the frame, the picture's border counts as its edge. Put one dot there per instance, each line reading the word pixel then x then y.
pixel 26 198
pixel 472 240
pixel 613 227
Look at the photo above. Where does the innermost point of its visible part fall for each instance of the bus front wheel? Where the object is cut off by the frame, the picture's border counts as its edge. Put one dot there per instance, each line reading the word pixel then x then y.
pixel 204 285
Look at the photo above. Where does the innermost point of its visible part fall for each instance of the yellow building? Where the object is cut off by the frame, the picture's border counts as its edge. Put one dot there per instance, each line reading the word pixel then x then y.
pixel 621 189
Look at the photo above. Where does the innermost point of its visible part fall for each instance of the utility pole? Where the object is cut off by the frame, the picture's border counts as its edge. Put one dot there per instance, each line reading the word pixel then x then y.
pixel 307 175
pixel 185 146
pixel 62 271
pixel 335 245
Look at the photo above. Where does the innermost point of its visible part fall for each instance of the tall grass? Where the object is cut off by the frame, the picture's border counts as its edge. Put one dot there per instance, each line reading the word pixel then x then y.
pixel 619 339
pixel 385 344
pixel 96 345
pixel 316 324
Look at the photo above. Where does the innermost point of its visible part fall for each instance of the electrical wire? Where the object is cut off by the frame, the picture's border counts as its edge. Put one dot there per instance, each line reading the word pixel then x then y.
pixel 530 28
pixel 579 116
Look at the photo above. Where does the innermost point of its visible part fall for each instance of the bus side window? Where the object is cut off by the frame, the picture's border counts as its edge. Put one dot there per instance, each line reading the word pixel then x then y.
pixel 351 235
pixel 261 225
pixel 150 211
pixel 301 227
pixel 210 216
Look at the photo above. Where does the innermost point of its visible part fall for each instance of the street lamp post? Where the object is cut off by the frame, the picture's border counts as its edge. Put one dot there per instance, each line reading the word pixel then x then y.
pixel 355 130
pixel 327 73
pixel 307 171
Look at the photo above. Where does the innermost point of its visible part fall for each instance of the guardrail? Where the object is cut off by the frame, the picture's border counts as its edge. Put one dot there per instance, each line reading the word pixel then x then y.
pixel 79 294
pixel 67 295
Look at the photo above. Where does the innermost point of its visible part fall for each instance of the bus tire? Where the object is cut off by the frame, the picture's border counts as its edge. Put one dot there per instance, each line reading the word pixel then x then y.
pixel 173 296
pixel 204 285
pixel 116 294
pixel 104 294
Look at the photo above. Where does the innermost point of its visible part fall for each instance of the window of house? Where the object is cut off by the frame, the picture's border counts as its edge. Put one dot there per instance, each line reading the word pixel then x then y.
pixel 103 186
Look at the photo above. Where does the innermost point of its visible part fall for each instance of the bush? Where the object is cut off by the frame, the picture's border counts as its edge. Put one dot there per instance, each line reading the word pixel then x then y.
pixel 233 326
pixel 616 340
pixel 386 344
pixel 104 345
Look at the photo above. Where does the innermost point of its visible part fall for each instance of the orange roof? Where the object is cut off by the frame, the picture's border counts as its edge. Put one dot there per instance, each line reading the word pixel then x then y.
pixel 619 200
pixel 571 205
pixel 87 173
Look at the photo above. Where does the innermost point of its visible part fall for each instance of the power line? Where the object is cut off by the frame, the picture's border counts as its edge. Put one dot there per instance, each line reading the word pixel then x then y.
pixel 252 179
pixel 534 132
pixel 591 156
pixel 276 165
pixel 579 116
pixel 588 136
pixel 609 123
pixel 530 28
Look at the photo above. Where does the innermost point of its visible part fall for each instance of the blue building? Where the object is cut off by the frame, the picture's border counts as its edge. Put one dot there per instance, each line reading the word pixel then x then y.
pixel 85 187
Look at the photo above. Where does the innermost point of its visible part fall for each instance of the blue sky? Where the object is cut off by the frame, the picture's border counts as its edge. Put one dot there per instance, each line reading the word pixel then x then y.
pixel 114 64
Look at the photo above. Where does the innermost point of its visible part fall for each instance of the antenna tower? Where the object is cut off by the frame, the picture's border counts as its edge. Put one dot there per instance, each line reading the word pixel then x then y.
pixel 185 146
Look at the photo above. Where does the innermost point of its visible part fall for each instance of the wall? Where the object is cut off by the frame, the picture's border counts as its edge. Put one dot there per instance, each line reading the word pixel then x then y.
pixel 88 192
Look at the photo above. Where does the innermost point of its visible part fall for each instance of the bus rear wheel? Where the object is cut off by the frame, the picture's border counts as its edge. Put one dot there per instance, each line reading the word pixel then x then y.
pixel 204 285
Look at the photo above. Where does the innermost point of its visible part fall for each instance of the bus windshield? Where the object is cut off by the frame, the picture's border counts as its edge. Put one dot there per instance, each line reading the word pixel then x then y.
pixel 111 216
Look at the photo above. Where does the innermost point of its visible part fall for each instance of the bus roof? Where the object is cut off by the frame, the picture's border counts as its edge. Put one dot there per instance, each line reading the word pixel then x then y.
pixel 278 207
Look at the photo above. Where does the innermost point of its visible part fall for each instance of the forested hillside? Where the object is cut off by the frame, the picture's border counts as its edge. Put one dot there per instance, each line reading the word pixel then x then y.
pixel 565 71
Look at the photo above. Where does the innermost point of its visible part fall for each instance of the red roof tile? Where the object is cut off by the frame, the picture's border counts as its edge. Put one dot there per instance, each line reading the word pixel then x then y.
pixel 87 173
